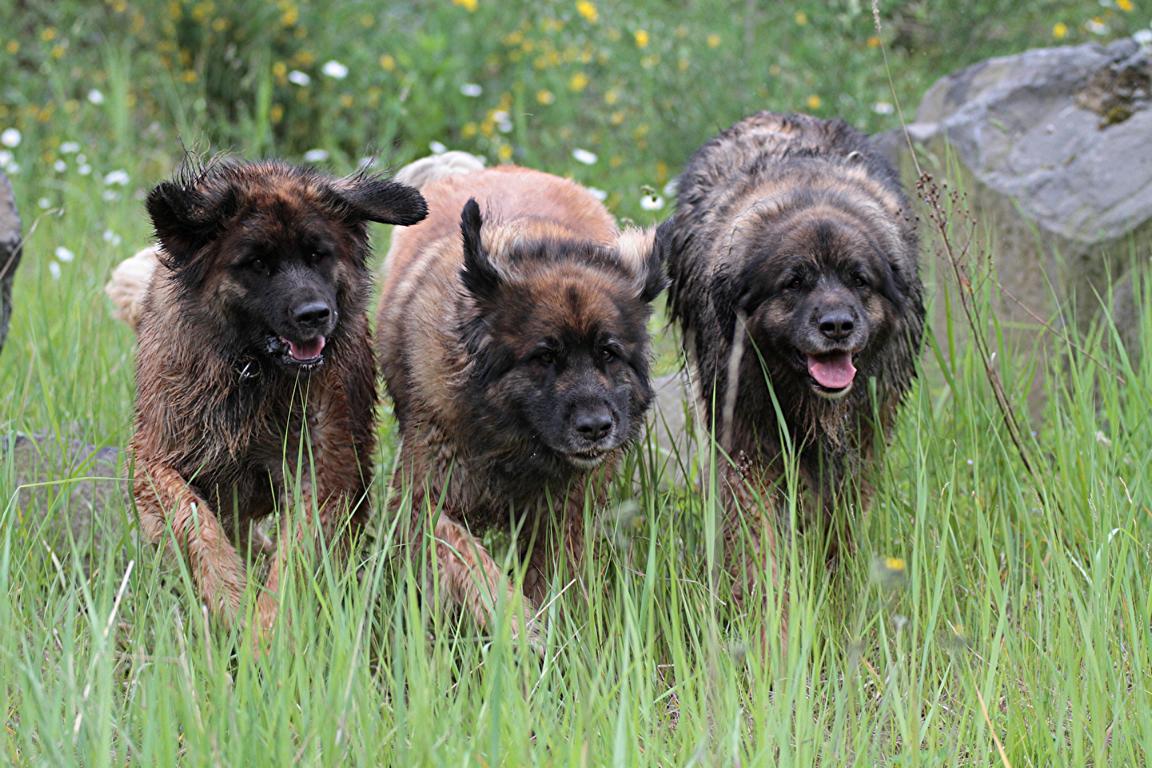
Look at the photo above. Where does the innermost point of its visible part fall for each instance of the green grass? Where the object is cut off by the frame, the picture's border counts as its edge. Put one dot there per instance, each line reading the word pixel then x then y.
pixel 1020 615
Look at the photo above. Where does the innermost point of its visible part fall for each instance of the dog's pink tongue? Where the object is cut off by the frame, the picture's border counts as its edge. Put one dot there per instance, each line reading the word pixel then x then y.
pixel 832 371
pixel 306 350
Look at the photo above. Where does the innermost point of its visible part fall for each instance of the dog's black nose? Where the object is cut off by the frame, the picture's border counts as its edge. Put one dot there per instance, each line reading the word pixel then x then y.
pixel 312 313
pixel 593 424
pixel 837 325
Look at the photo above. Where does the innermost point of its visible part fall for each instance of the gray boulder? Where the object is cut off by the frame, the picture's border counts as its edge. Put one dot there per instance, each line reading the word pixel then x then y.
pixel 1053 149
pixel 10 248
pixel 67 496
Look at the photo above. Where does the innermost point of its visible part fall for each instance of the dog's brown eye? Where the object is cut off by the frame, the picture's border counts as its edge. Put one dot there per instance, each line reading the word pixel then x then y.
pixel 544 356
pixel 608 353
pixel 860 280
pixel 795 283
pixel 258 265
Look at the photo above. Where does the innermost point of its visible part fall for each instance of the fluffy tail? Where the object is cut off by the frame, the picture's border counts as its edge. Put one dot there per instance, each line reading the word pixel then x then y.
pixel 428 169
pixel 129 284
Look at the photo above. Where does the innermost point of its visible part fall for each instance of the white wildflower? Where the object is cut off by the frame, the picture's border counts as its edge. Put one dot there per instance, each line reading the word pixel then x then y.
pixel 883 108
pixel 112 238
pixel 69 148
pixel 315 155
pixel 84 169
pixel 44 203
pixel 437 148
pixel 599 194
pixel 1143 37
pixel 651 202
pixel 296 77
pixel 471 90
pixel 95 97
pixel 54 269
pixel 117 178
pixel 65 255
pixel 10 138
pixel 334 70
pixel 584 156
pixel 59 166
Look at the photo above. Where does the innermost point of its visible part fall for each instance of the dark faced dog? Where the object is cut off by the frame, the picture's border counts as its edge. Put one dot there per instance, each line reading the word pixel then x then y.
pixel 794 275
pixel 255 354
pixel 513 341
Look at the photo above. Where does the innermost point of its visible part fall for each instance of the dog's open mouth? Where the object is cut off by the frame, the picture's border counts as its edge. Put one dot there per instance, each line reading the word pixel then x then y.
pixel 305 354
pixel 586 459
pixel 832 373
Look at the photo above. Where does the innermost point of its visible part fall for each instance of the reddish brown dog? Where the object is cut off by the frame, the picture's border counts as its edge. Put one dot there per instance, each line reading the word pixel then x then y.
pixel 513 340
pixel 255 375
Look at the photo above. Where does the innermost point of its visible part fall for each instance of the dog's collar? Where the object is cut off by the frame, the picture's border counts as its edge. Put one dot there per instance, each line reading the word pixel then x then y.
pixel 247 369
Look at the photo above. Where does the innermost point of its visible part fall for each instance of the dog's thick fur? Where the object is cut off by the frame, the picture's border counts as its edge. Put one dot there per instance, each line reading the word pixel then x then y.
pixel 512 337
pixel 793 261
pixel 255 374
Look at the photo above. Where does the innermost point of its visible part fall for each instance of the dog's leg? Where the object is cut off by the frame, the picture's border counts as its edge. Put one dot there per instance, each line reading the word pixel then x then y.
pixel 328 502
pixel 472 579
pixel 750 543
pixel 557 546
pixel 165 502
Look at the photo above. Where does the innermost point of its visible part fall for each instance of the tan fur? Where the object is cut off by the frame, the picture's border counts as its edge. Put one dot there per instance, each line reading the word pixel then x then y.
pixel 129 284
pixel 423 309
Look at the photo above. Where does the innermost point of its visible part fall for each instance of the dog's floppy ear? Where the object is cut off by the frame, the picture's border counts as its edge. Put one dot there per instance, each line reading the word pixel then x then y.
pixel 893 285
pixel 640 252
pixel 186 218
pixel 479 276
pixel 375 198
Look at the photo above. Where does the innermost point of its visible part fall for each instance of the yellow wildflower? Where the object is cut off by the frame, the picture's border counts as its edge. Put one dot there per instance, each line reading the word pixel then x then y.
pixel 387 62
pixel 578 82
pixel 587 11
pixel 468 5
pixel 468 130
pixel 367 20
pixel 290 16
pixel 895 564
pixel 873 42
pixel 1125 5
pixel 616 118
pixel 641 38
pixel 611 96
pixel 545 96
pixel 814 102
pixel 58 52
pixel 219 25
pixel 1059 30
pixel 188 76
pixel 504 153
pixel 346 101
pixel 801 18
pixel 713 40
pixel 280 71
pixel 13 47
pixel 48 34
pixel 276 113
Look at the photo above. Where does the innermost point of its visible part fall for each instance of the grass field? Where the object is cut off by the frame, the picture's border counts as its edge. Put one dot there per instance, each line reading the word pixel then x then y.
pixel 991 615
